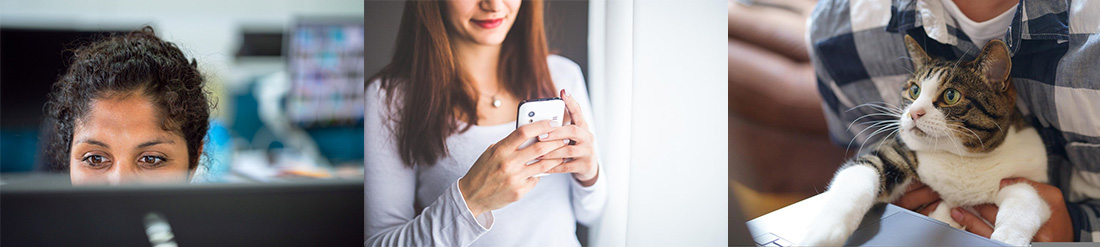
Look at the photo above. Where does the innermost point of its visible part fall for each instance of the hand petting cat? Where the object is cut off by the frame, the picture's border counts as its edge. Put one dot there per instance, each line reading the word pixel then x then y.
pixel 1059 228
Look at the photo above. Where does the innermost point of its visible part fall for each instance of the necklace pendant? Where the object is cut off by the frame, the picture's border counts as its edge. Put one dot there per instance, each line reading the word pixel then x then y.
pixel 496 102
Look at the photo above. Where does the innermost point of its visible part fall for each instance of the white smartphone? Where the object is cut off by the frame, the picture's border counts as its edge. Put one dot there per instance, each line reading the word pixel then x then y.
pixel 535 110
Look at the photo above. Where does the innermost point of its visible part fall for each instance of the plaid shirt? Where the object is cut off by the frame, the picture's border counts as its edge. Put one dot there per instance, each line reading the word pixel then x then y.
pixel 860 57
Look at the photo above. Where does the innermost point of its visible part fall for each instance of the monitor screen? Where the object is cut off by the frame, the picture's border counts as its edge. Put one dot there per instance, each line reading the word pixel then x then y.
pixel 325 62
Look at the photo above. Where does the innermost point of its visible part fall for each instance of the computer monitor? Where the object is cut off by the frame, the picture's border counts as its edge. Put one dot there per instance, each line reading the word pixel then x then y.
pixel 325 59
pixel 44 210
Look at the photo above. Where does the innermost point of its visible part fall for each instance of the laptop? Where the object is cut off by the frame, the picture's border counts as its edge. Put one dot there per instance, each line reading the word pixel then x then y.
pixel 44 210
pixel 884 225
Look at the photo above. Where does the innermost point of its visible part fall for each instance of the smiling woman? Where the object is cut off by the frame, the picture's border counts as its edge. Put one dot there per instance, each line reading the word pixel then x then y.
pixel 131 108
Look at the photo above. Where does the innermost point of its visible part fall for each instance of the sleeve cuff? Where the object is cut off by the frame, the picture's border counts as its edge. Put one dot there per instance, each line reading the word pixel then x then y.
pixel 483 222
pixel 588 202
pixel 1076 217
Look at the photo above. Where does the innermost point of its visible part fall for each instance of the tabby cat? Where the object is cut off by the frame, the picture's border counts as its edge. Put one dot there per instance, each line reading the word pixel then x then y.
pixel 960 133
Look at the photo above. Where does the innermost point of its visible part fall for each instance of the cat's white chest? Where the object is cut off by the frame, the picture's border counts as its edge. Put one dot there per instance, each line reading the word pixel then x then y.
pixel 965 181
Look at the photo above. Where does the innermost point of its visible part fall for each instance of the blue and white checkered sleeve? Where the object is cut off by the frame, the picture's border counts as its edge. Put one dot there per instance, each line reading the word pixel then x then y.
pixel 857 63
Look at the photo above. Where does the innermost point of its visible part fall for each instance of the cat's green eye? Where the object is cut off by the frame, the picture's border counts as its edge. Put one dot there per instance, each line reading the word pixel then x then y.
pixel 914 91
pixel 951 96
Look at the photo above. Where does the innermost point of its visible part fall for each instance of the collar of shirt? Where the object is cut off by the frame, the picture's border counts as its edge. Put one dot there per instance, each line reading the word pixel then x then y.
pixel 1034 20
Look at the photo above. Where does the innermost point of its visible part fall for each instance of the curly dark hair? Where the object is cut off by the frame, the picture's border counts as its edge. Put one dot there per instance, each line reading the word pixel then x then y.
pixel 137 61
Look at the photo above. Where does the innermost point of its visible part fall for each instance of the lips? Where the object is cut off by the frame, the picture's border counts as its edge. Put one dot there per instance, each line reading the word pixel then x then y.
pixel 488 23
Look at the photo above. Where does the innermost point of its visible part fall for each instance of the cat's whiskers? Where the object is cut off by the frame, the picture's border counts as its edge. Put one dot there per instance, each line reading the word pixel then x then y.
pixel 956 143
pixel 956 65
pixel 887 107
pixel 870 137
pixel 896 131
pixel 880 123
pixel 870 115
pixel 907 68
pixel 971 132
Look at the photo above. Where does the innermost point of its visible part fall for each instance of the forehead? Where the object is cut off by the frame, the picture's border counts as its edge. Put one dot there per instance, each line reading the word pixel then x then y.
pixel 120 119
pixel 944 74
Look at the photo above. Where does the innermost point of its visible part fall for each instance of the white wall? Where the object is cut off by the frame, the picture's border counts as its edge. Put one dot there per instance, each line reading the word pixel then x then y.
pixel 679 141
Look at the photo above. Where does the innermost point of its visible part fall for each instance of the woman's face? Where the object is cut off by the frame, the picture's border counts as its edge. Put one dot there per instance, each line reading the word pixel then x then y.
pixel 484 22
pixel 120 140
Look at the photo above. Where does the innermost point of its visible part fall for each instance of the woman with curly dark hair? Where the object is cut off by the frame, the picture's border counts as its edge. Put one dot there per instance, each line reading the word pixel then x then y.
pixel 130 108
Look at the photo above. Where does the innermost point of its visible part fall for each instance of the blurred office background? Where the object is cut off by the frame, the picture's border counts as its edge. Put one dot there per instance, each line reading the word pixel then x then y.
pixel 287 76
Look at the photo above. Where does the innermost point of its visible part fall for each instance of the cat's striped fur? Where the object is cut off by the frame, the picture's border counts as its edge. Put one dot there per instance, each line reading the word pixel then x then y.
pixel 960 146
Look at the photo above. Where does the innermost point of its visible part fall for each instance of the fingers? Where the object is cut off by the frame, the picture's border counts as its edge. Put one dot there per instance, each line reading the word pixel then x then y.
pixel 1011 181
pixel 927 210
pixel 573 151
pixel 1048 192
pixel 529 184
pixel 544 165
pixel 574 109
pixel 571 132
pixel 916 184
pixel 535 150
pixel 988 212
pixel 917 198
pixel 565 167
pixel 526 132
pixel 971 222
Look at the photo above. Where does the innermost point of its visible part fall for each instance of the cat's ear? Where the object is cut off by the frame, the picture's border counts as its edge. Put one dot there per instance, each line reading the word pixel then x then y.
pixel 995 63
pixel 916 53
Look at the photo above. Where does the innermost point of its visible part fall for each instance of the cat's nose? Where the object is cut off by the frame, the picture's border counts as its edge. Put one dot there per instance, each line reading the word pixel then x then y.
pixel 916 113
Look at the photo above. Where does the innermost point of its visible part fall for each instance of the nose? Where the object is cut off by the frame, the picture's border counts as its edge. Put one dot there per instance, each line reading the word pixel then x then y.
pixel 490 5
pixel 121 174
pixel 916 113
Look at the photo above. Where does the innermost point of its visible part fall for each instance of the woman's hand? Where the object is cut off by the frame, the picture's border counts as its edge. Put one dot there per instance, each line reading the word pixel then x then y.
pixel 919 198
pixel 1059 228
pixel 501 175
pixel 580 155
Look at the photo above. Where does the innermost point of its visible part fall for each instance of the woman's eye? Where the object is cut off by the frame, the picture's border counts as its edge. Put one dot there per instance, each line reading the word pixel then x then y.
pixel 914 91
pixel 951 96
pixel 96 161
pixel 153 160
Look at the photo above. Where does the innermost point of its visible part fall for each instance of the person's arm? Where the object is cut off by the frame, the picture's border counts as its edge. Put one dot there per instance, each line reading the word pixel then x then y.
pixel 588 201
pixel 1059 228
pixel 1086 220
pixel 390 193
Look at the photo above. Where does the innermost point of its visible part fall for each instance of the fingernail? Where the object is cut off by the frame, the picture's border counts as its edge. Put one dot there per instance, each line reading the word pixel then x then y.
pixel 566 141
pixel 544 136
pixel 957 214
pixel 566 93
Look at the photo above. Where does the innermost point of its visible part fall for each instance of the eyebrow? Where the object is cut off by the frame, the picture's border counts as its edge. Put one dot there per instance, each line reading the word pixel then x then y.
pixel 142 145
pixel 93 142
pixel 154 143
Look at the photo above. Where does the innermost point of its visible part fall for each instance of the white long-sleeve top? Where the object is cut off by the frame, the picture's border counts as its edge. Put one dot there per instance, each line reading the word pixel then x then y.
pixel 423 206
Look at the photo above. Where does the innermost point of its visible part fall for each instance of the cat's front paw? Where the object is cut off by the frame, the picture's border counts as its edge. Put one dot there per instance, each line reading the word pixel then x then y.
pixel 1011 238
pixel 825 236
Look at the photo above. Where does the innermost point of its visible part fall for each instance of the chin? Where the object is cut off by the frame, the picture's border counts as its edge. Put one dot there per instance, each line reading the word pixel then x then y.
pixel 491 39
pixel 913 141
pixel 924 143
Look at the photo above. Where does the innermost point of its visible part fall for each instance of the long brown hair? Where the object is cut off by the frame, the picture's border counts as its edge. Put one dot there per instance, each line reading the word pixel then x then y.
pixel 425 75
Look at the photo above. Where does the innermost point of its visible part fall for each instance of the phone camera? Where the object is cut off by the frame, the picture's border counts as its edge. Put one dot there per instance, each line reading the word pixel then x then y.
pixel 531 114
